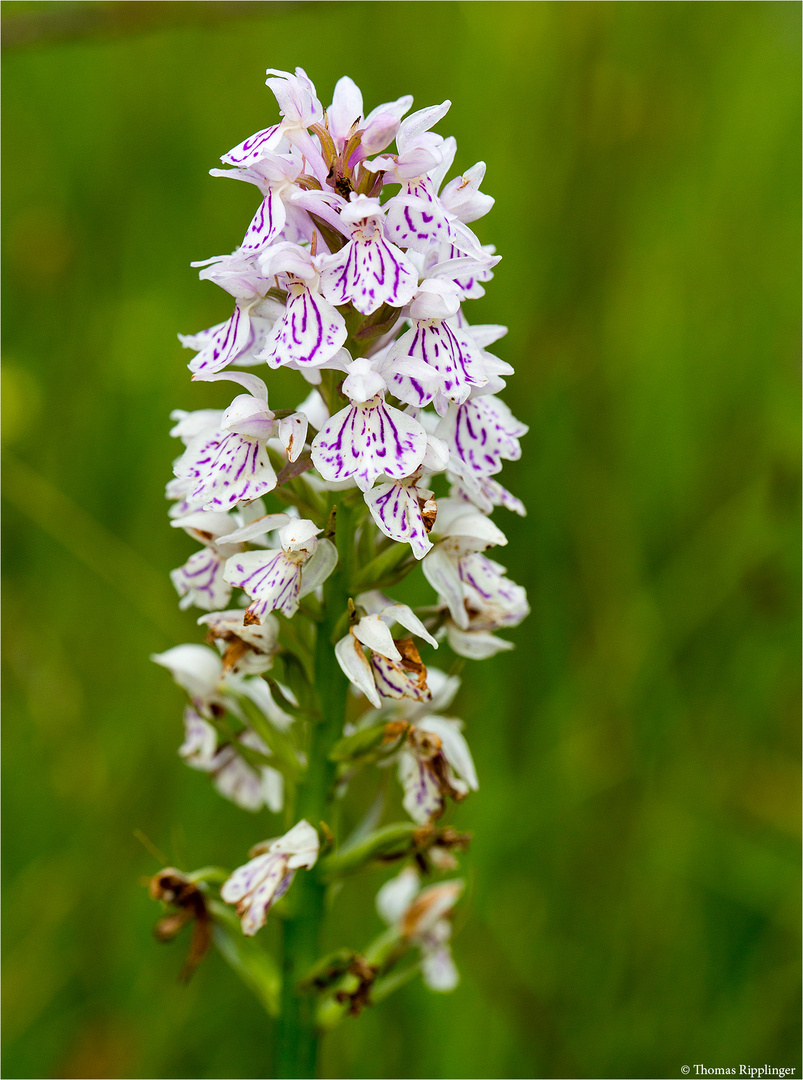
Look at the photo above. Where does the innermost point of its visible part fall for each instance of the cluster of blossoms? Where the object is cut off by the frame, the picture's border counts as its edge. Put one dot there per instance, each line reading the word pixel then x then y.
pixel 353 272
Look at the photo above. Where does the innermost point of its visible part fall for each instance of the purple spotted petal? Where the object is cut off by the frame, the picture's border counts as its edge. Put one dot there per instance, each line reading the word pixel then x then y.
pixel 310 333
pixel 416 219
pixel 199 582
pixel 396 509
pixel 246 878
pixel 367 439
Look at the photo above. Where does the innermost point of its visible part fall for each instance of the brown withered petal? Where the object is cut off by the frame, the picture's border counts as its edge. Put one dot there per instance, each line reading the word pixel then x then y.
pixel 168 885
pixel 394 729
pixel 174 888
pixel 200 944
pixel 425 743
pixel 170 925
pixel 411 662
pixel 235 651
pixel 360 997
pixel 429 512
pixel 440 769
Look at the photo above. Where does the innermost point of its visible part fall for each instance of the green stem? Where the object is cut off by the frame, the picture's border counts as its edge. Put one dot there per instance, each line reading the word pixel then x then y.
pixel 298 1030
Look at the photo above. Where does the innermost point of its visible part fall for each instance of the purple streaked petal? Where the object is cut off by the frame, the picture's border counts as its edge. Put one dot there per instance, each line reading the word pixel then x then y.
pixel 270 578
pixel 199 582
pixel 266 225
pixel 250 150
pixel 367 439
pixel 396 509
pixel 423 800
pixel 369 272
pixel 310 333
pixel 231 339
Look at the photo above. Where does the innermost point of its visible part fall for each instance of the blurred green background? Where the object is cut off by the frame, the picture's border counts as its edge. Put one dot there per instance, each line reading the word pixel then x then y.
pixel 634 884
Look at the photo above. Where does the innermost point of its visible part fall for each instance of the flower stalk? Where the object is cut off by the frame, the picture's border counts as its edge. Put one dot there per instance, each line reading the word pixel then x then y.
pixel 353 272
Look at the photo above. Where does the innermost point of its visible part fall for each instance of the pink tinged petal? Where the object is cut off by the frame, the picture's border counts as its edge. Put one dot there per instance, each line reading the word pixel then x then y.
pixel 422 800
pixel 270 578
pixel 250 150
pixel 396 511
pixel 379 133
pixel 200 583
pixel 345 110
pixel 293 434
pixel 355 667
pixel 310 333
pixel 231 339
pixel 296 96
pixel 441 572
pixel 366 440
pixel 267 224
pixel 392 681
pixel 395 108
pixel 419 122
